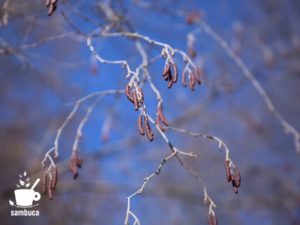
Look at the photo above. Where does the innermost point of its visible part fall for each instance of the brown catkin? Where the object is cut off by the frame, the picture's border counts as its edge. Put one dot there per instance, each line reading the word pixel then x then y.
pixel 235 189
pixel 44 184
pixel 54 180
pixel 49 190
pixel 157 122
pixel 128 94
pixel 212 219
pixel 183 79
pixel 73 168
pixel 140 125
pixel 162 117
pixel 175 72
pixel 170 79
pixel 227 169
pixel 140 95
pixel 78 161
pixel 166 71
pixel 198 75
pixel 135 101
pixel 192 82
pixel 149 132
pixel 236 178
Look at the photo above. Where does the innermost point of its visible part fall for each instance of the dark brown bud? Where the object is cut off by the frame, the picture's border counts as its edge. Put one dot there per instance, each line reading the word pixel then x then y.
pixel 192 17
pixel 192 52
pixel 140 125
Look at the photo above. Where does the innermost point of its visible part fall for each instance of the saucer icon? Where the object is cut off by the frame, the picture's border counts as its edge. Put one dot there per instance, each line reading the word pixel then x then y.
pixel 25 195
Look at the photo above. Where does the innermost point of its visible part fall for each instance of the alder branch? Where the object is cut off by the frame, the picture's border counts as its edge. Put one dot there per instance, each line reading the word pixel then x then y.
pixel 55 149
pixel 174 153
pixel 14 50
pixel 287 127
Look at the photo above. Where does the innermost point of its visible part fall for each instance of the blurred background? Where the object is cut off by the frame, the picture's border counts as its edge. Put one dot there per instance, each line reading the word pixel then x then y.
pixel 45 65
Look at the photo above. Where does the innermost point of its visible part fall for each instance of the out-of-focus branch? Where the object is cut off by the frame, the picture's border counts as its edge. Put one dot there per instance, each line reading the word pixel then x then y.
pixel 287 127
pixel 55 148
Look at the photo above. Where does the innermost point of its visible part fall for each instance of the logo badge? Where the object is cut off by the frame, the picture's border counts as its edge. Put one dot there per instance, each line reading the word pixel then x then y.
pixel 25 197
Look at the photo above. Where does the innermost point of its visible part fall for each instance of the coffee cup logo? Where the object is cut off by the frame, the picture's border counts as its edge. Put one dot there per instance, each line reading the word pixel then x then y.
pixel 25 196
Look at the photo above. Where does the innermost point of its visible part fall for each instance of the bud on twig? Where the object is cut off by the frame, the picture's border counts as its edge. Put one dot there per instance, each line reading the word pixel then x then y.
pixel 74 163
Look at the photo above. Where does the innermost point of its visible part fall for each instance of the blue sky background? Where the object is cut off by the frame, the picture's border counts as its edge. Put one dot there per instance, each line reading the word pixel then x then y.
pixel 35 99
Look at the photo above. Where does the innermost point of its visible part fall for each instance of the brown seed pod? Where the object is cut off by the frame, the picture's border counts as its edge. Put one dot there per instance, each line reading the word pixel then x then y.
pixel 212 219
pixel 228 172
pixel 175 72
pixel 149 132
pixel 44 184
pixel 128 94
pixel 54 179
pixel 140 125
